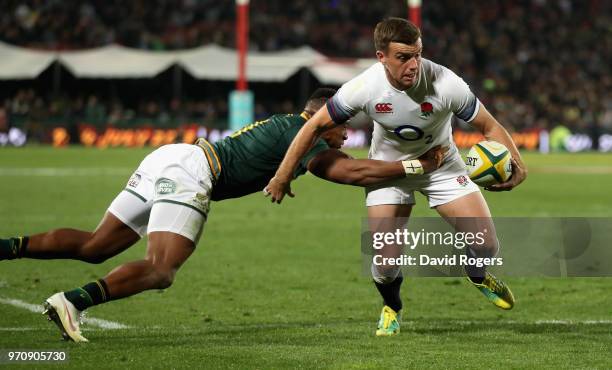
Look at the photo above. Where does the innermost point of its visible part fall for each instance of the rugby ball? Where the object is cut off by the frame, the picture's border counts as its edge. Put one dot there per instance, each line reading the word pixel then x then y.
pixel 488 163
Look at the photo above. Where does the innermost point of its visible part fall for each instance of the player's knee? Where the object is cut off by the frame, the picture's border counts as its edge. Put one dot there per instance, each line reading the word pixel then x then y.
pixel 164 277
pixel 487 249
pixel 384 274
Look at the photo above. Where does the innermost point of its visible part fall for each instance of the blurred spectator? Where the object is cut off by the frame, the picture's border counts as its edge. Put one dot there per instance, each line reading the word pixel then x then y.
pixel 4 124
pixel 534 63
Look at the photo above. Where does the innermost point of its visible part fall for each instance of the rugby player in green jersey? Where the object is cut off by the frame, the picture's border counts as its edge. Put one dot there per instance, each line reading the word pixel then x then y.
pixel 168 198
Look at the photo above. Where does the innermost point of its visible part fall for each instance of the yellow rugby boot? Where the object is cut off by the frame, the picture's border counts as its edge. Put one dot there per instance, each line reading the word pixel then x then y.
pixel 496 291
pixel 389 322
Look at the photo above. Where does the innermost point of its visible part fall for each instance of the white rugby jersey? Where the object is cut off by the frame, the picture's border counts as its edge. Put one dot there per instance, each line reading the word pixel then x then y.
pixel 406 123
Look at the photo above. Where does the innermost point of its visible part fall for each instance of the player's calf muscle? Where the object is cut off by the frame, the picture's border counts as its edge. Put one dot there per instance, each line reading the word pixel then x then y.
pixel 58 243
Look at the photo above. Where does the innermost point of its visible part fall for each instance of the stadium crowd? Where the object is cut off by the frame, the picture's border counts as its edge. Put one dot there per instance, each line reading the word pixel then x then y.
pixel 534 63
pixel 27 108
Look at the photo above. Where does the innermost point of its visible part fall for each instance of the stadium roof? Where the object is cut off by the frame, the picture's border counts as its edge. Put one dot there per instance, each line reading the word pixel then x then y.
pixel 19 63
pixel 209 62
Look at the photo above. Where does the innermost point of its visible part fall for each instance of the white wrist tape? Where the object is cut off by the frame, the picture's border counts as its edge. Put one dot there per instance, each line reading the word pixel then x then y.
pixel 413 167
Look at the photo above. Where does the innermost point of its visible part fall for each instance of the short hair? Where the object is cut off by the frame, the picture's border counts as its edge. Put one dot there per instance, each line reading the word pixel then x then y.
pixel 395 30
pixel 319 97
pixel 322 93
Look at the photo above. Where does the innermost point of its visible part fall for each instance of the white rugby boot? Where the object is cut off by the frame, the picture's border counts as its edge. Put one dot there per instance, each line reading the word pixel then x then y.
pixel 67 318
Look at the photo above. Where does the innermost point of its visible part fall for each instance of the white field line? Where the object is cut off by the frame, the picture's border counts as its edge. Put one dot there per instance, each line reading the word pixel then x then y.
pixel 103 324
pixel 65 171
pixel 42 328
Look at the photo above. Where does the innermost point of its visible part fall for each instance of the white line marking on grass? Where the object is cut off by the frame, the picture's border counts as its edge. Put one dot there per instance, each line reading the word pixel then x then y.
pixel 44 328
pixel 65 171
pixel 104 324
pixel 21 304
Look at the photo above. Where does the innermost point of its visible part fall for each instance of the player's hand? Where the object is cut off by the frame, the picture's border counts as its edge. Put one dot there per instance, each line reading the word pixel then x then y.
pixel 432 159
pixel 519 174
pixel 277 188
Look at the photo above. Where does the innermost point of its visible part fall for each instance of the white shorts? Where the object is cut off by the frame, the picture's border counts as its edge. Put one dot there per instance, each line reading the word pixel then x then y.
pixel 447 183
pixel 170 191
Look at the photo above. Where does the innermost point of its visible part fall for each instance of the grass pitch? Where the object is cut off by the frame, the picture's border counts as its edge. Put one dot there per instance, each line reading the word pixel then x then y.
pixel 281 286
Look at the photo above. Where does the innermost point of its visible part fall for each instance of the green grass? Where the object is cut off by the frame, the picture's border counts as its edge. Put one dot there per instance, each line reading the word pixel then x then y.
pixel 281 286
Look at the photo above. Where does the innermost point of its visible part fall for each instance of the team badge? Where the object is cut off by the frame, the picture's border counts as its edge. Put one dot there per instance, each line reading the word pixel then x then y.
pixel 462 180
pixel 383 108
pixel 134 180
pixel 426 109
pixel 165 186
pixel 202 201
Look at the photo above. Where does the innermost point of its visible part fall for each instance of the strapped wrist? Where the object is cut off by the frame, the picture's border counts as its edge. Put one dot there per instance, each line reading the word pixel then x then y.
pixel 413 167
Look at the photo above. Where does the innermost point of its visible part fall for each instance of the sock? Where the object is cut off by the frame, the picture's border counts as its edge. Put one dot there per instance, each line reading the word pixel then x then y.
pixel 476 274
pixel 89 295
pixel 12 248
pixel 391 293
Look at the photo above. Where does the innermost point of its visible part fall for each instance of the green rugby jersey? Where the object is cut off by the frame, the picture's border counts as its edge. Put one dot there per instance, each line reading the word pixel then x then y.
pixel 250 156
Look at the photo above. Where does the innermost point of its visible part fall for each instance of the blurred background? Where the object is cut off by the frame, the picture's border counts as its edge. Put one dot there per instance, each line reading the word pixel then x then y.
pixel 134 73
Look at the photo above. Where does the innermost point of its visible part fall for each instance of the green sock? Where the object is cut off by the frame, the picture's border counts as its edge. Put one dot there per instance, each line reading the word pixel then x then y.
pixel 89 295
pixel 12 248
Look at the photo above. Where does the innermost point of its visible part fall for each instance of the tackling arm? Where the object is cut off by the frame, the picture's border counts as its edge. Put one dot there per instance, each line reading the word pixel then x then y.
pixel 493 130
pixel 337 166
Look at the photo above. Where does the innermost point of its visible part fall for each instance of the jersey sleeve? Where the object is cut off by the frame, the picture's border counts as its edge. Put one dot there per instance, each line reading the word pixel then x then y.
pixel 461 100
pixel 349 100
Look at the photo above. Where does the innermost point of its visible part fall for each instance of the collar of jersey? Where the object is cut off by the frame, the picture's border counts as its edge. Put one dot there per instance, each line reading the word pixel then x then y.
pixel 411 87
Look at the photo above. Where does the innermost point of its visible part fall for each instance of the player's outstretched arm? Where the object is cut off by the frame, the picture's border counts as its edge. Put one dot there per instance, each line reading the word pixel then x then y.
pixel 279 185
pixel 337 166
pixel 493 130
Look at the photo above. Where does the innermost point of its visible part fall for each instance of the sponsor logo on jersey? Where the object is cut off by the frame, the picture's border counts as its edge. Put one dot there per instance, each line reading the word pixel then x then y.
pixel 462 180
pixel 426 109
pixel 165 186
pixel 409 132
pixel 134 180
pixel 383 108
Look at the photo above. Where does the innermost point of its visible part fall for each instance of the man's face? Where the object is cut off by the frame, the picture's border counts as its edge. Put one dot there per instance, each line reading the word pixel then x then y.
pixel 335 137
pixel 402 63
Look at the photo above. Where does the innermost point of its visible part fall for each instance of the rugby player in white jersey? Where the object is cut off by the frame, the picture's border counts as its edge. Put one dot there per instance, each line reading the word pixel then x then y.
pixel 412 101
